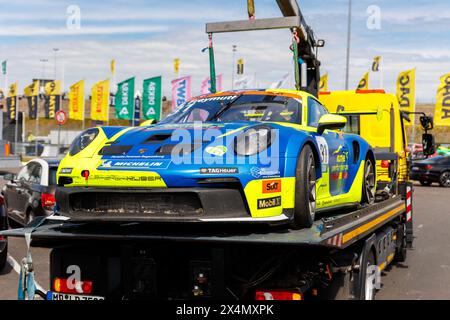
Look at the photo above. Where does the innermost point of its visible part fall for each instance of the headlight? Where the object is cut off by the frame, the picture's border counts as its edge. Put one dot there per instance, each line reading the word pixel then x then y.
pixel 83 140
pixel 253 141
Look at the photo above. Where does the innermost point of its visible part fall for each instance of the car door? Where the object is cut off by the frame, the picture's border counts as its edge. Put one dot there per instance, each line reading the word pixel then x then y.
pixel 24 192
pixel 14 190
pixel 31 191
pixel 333 152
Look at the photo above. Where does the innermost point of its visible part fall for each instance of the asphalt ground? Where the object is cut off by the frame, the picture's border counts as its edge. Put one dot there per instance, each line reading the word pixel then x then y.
pixel 424 275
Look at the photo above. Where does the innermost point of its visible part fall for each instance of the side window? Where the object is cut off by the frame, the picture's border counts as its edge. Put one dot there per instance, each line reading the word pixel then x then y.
pixel 315 111
pixel 35 176
pixel 25 173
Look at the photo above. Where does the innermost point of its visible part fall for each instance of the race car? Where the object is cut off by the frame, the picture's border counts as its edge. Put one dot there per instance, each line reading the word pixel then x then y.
pixel 269 156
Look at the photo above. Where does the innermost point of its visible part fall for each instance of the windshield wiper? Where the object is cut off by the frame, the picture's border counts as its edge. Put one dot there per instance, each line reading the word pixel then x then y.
pixel 224 108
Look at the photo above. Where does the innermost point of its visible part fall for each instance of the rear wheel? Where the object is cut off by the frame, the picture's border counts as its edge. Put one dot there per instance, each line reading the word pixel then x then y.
pixel 444 179
pixel 3 257
pixel 305 190
pixel 369 286
pixel 425 183
pixel 368 187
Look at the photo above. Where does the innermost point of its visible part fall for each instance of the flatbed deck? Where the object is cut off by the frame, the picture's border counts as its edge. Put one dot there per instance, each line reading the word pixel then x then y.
pixel 338 230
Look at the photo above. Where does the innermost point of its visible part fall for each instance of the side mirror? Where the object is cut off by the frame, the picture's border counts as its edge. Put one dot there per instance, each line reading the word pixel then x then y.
pixel 426 123
pixel 9 177
pixel 429 146
pixel 331 122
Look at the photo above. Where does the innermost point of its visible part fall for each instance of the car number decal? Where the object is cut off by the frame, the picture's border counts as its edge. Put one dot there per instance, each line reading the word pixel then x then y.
pixel 323 149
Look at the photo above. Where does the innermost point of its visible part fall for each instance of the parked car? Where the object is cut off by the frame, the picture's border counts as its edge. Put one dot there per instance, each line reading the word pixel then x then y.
pixel 3 240
pixel 31 192
pixel 427 171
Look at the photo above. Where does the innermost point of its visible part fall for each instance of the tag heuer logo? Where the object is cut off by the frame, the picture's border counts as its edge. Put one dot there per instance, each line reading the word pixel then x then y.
pixel 219 170
pixel 269 203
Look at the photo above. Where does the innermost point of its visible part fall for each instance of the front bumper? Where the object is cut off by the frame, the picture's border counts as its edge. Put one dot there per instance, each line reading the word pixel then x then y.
pixel 159 205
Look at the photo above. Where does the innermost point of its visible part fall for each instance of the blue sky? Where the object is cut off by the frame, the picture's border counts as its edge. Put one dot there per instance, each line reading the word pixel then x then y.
pixel 145 36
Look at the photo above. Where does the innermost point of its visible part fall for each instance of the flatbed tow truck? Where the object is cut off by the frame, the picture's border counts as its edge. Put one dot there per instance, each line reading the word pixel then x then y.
pixel 339 257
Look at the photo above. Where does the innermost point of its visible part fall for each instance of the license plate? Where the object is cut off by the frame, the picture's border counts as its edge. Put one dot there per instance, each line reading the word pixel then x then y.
pixel 65 296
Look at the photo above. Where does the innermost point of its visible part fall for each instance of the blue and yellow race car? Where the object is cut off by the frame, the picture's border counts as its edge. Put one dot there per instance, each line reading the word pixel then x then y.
pixel 271 156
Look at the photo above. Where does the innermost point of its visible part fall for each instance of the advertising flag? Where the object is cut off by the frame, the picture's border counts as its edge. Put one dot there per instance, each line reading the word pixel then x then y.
pixel 181 91
pixel 364 82
pixel 323 82
pixel 125 100
pixel 76 101
pixel 152 98
pixel 442 110
pixel 31 93
pixel 376 64
pixel 4 63
pixel 206 84
pixel 100 101
pixel 406 92
pixel 176 65
pixel 240 66
pixel 52 95
pixel 112 66
pixel 11 102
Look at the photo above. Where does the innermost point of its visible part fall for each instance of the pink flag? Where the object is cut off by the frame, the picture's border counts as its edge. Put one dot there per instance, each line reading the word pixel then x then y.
pixel 181 91
pixel 206 84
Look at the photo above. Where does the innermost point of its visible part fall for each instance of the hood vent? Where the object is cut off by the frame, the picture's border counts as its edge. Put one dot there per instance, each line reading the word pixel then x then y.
pixel 157 138
pixel 180 149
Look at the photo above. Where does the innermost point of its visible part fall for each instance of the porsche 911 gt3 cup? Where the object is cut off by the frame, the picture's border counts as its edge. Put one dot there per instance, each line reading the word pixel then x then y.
pixel 270 156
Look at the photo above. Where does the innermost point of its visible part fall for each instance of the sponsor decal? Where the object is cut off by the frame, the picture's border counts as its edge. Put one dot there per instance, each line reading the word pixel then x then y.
pixel 271 186
pixel 323 149
pixel 269 202
pixel 219 170
pixel 257 172
pixel 217 150
pixel 134 164
pixel 126 178
pixel 66 171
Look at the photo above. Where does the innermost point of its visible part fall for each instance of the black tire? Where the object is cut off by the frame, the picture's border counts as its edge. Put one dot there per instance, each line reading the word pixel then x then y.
pixel 305 190
pixel 369 183
pixel 368 294
pixel 425 183
pixel 3 257
pixel 400 255
pixel 444 179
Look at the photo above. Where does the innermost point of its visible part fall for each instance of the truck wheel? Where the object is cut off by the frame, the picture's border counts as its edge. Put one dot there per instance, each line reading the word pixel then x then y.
pixel 3 257
pixel 368 187
pixel 425 183
pixel 400 255
pixel 305 190
pixel 444 179
pixel 367 287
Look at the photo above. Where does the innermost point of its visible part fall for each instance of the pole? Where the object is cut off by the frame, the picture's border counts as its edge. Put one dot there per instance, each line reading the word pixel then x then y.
pixel 59 137
pixel 349 35
pixel 233 66
pixel 37 126
pixel 16 131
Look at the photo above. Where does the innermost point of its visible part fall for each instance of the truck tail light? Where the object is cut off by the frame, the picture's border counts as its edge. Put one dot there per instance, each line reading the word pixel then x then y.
pixel 278 295
pixel 48 200
pixel 72 286
pixel 428 167
pixel 385 164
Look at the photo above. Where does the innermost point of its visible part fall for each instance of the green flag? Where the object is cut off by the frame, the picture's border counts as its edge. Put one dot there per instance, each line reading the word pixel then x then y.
pixel 4 67
pixel 125 99
pixel 151 98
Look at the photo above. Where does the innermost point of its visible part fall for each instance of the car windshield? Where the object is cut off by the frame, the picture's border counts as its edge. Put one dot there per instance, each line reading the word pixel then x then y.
pixel 238 108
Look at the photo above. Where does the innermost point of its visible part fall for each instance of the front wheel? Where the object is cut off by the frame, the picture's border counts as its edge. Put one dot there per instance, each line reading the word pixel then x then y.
pixel 444 179
pixel 305 190
pixel 368 187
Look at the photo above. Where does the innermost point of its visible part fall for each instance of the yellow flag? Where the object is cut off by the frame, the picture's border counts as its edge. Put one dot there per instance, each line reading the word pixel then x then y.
pixel 32 90
pixel 240 66
pixel 406 92
pixel 323 83
pixel 364 82
pixel 12 90
pixel 176 65
pixel 376 64
pixel 100 101
pixel 442 110
pixel 113 66
pixel 52 88
pixel 76 101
